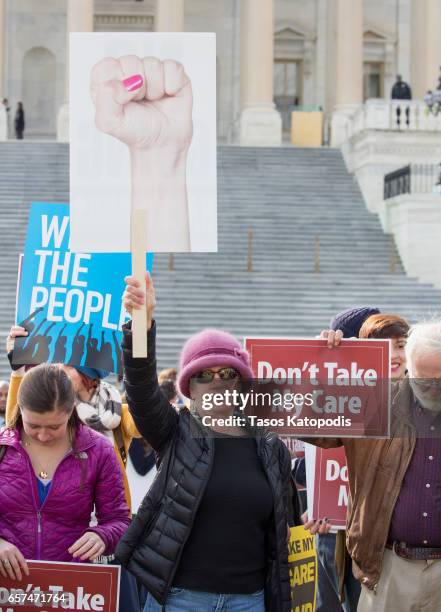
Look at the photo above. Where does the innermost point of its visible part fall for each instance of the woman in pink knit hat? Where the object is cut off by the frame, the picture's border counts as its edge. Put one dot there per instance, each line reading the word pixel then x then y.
pixel 211 534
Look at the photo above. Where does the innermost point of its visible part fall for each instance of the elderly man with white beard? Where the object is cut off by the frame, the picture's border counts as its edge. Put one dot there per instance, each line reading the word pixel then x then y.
pixel 394 510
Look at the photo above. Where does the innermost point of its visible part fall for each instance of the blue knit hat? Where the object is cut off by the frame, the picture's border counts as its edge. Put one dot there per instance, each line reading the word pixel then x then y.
pixel 93 373
pixel 350 321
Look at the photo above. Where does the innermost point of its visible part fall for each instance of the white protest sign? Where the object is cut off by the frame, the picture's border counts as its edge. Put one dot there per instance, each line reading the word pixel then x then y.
pixel 143 136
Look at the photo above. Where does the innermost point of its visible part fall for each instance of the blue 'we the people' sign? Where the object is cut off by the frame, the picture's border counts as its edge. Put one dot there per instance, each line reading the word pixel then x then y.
pixel 70 303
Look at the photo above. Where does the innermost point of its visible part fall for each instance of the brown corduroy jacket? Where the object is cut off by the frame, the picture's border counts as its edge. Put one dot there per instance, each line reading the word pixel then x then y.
pixel 376 469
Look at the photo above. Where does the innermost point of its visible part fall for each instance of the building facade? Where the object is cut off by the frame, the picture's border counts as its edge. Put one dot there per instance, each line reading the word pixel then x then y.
pixel 272 55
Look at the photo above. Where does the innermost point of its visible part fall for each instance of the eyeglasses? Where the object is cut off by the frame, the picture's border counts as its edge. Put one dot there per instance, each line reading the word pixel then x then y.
pixel 207 376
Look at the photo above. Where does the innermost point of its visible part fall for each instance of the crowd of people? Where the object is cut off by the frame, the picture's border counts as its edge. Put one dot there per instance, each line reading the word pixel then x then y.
pixel 212 530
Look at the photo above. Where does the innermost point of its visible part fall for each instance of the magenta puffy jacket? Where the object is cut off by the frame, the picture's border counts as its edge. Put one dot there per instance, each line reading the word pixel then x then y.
pixel 89 476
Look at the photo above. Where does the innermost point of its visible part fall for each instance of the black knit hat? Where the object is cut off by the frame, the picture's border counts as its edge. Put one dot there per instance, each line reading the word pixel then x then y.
pixel 350 321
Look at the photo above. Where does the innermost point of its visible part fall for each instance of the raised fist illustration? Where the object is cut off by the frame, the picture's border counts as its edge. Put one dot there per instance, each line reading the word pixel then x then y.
pixel 145 103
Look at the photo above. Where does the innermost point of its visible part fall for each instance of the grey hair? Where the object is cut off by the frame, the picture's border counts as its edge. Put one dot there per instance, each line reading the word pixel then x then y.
pixel 424 337
pixel 4 383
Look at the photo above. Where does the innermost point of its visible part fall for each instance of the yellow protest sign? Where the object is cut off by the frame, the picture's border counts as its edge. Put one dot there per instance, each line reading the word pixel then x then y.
pixel 302 558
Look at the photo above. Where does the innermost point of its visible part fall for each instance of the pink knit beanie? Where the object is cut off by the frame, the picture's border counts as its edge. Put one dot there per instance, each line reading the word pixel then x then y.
pixel 211 348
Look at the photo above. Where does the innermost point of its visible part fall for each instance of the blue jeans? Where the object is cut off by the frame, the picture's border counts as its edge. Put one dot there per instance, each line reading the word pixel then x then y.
pixel 328 599
pixel 181 600
pixel 129 598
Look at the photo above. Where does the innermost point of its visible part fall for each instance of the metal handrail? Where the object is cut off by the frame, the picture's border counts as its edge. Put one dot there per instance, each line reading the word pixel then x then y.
pixel 414 178
pixel 397 182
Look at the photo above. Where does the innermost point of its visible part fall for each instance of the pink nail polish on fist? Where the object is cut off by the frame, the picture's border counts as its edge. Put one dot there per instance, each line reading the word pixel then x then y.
pixel 133 83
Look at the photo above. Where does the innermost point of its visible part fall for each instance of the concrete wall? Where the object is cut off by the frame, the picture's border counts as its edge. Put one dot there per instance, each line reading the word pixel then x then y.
pixel 415 222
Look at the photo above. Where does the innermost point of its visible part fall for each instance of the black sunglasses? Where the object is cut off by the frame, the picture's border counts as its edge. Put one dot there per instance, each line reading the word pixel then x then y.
pixel 207 376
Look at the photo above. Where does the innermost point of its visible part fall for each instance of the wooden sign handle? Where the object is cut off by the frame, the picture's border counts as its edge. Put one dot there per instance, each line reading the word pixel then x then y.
pixel 138 241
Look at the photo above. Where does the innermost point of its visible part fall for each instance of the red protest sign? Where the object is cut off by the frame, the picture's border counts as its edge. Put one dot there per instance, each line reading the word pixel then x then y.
pixel 343 391
pixel 327 484
pixel 66 586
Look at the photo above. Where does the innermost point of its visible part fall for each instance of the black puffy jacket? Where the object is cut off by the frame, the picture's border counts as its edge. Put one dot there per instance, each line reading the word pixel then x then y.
pixel 152 546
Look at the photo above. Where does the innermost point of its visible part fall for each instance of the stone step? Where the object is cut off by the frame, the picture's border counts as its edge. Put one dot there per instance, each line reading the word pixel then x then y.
pixel 287 196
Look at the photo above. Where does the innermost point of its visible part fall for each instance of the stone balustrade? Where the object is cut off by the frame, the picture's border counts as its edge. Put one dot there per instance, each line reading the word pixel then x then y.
pixel 396 115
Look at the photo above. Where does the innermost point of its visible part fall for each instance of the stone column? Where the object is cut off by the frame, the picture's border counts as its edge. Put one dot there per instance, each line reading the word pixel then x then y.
pixel 348 65
pixel 3 114
pixel 2 47
pixel 169 16
pixel 404 37
pixel 79 19
pixel 322 58
pixel 426 46
pixel 260 123
pixel 433 43
pixel 390 69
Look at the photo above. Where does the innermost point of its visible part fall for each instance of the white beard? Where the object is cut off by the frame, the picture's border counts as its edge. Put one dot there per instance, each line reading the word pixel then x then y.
pixel 428 402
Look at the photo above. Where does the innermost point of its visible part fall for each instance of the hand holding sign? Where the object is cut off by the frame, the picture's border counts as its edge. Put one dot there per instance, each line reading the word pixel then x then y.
pixel 16 331
pixel 147 104
pixel 320 526
pixel 12 562
pixel 134 296
pixel 333 337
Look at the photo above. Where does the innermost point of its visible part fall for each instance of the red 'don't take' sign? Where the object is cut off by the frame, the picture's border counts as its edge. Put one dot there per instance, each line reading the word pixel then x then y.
pixel 330 486
pixel 343 391
pixel 62 586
